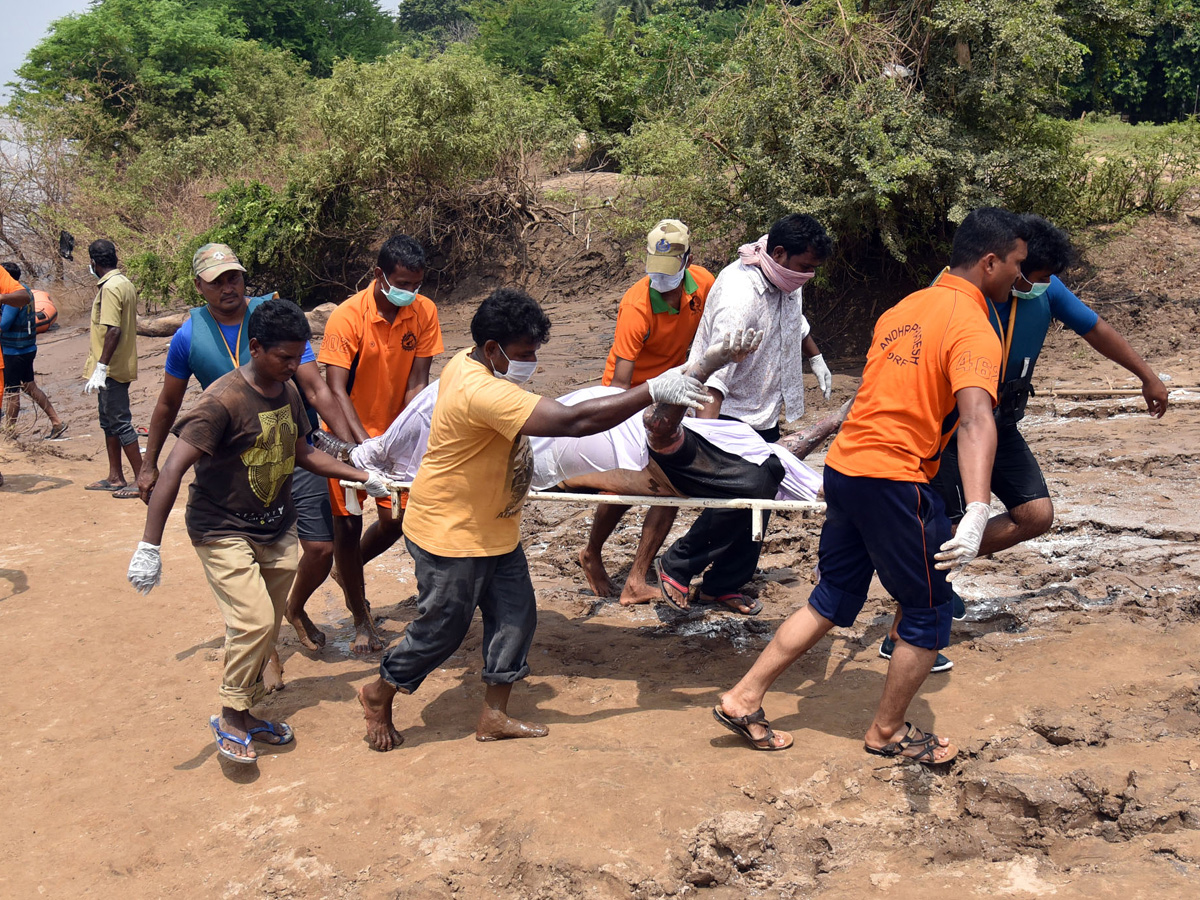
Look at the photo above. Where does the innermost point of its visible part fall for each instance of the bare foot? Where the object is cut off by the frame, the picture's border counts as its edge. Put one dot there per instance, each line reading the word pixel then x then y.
pixel 337 579
pixel 636 591
pixel 273 674
pixel 593 571
pixel 366 638
pixel 494 725
pixel 307 633
pixel 381 733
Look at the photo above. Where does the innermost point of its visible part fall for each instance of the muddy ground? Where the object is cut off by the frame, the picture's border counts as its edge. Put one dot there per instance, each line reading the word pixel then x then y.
pixel 1075 691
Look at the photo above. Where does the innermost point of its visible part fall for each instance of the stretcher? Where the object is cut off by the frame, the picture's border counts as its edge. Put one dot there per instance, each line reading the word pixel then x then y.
pixel 756 507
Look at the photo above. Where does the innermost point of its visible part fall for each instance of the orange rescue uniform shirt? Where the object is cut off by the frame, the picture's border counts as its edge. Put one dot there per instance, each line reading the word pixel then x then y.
pixel 929 346
pixel 8 284
pixel 384 352
pixel 652 334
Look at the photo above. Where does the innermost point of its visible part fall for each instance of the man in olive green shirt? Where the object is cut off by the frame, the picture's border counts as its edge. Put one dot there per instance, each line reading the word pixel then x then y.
pixel 112 365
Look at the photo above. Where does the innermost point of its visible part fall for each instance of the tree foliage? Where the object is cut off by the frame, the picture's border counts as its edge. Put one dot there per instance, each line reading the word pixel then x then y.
pixel 320 32
pixel 130 71
pixel 303 131
pixel 888 126
pixel 519 34
pixel 433 147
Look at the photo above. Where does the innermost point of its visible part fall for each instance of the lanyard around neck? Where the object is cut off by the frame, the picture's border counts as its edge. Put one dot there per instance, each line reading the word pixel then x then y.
pixel 235 356
pixel 1006 336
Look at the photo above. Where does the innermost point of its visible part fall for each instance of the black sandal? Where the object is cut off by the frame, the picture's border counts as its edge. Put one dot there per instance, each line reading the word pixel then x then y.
pixel 924 743
pixel 740 725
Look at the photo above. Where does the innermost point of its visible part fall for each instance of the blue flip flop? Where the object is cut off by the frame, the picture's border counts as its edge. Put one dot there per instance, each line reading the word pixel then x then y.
pixel 281 730
pixel 214 722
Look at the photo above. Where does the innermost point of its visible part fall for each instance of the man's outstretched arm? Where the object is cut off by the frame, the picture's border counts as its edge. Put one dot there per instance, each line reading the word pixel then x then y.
pixel 1110 343
pixel 662 420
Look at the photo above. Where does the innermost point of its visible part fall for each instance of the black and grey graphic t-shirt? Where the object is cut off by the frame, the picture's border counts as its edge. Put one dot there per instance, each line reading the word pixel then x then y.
pixel 243 483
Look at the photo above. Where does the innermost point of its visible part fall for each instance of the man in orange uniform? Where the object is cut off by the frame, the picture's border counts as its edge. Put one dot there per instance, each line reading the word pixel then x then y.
pixel 378 347
pixel 656 322
pixel 934 362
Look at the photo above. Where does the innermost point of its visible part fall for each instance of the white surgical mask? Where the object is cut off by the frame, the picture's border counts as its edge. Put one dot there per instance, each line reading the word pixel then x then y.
pixel 665 283
pixel 90 269
pixel 519 371
pixel 397 296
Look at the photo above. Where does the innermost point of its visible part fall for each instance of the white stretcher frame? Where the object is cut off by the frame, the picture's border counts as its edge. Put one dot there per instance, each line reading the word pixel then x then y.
pixel 756 507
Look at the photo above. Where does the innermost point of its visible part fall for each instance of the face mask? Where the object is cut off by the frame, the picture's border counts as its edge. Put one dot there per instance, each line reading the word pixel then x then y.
pixel 519 371
pixel 398 297
pixel 1036 290
pixel 665 283
pixel 785 279
pixel 90 269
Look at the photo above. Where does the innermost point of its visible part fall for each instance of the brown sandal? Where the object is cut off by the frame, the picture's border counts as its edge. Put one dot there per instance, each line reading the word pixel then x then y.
pixel 740 725
pixel 924 743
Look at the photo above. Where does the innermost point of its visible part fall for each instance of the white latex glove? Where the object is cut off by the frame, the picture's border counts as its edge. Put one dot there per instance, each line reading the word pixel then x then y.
pixel 964 546
pixel 96 382
pixel 145 569
pixel 375 486
pixel 734 347
pixel 677 389
pixel 824 376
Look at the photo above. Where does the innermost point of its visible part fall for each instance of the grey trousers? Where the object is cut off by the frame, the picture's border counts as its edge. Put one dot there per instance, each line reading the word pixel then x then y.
pixel 449 589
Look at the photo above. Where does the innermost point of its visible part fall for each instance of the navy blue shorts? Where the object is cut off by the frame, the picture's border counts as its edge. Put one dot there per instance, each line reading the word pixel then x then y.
pixel 893 528
pixel 1016 476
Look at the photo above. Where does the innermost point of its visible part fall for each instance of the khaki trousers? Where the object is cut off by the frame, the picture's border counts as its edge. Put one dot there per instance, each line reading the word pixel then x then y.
pixel 251 582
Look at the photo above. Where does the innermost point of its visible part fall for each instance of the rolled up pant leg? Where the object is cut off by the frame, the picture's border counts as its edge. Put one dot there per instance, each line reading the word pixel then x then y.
pixel 509 620
pixel 251 583
pixel 115 418
pixel 448 590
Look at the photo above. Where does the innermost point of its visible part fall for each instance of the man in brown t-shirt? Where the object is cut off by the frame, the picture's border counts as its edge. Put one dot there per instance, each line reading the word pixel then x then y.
pixel 244 437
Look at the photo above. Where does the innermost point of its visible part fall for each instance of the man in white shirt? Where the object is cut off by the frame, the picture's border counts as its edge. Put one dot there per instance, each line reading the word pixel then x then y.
pixel 761 290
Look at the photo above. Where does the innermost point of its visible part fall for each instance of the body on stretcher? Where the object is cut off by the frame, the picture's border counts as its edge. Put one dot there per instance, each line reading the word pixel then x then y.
pixel 756 507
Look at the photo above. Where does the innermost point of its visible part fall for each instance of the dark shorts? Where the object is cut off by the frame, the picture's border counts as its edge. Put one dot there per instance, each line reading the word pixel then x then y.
pixel 115 419
pixel 893 528
pixel 18 369
pixel 314 517
pixel 1016 476
pixel 449 590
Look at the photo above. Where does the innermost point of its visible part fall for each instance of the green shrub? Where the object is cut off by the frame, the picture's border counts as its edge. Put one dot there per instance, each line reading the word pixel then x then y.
pixel 873 124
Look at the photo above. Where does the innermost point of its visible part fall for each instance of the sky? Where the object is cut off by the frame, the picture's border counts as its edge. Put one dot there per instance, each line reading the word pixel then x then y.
pixel 25 24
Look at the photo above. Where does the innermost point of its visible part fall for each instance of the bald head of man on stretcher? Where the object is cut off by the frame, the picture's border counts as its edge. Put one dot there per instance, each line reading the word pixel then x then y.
pixel 620 460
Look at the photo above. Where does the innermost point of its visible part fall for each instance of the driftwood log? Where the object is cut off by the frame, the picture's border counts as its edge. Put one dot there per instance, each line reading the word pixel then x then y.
pixel 166 325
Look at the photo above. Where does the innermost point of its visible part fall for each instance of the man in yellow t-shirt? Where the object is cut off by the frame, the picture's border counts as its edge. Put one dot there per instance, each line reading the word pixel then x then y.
pixel 111 365
pixel 462 525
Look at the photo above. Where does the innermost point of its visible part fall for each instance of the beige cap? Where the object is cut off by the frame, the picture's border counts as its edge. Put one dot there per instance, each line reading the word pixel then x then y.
pixel 212 259
pixel 666 244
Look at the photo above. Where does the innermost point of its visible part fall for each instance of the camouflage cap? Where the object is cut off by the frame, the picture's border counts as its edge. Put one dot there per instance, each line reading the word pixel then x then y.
pixel 212 259
pixel 666 244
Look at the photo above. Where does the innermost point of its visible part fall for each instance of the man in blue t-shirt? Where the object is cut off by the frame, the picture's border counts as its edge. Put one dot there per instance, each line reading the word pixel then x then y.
pixel 18 341
pixel 214 340
pixel 1038 299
